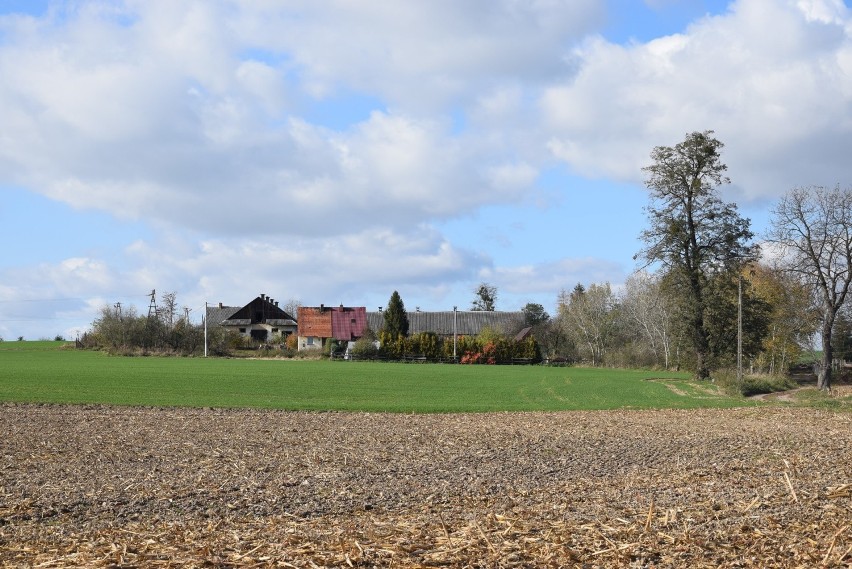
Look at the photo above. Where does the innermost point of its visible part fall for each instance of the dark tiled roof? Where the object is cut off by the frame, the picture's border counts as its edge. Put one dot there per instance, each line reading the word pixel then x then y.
pixel 261 309
pixel 468 323
pixel 216 315
pixel 269 313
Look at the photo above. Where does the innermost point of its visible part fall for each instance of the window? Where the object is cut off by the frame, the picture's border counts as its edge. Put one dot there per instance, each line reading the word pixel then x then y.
pixel 242 330
pixel 310 340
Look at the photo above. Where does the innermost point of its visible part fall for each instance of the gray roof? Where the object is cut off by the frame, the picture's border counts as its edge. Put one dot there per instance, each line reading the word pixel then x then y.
pixel 467 323
pixel 216 315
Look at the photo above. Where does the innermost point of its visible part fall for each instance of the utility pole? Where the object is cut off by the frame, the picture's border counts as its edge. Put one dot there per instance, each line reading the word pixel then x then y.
pixel 455 334
pixel 152 306
pixel 205 328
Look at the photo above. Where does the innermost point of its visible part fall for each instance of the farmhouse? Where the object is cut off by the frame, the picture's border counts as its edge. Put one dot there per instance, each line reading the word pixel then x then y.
pixel 449 322
pixel 319 324
pixel 260 319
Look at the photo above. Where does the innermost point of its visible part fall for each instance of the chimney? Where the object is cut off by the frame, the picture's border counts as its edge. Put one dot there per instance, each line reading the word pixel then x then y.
pixel 220 305
pixel 322 307
pixel 262 295
pixel 276 303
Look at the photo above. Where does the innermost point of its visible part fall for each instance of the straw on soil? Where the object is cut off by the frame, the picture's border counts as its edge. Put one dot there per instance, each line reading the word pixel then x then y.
pixel 139 487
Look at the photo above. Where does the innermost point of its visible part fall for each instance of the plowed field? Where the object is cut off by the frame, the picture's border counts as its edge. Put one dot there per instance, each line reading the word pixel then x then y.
pixel 151 487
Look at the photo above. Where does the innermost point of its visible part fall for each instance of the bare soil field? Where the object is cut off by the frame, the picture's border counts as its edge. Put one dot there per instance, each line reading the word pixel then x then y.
pixel 145 487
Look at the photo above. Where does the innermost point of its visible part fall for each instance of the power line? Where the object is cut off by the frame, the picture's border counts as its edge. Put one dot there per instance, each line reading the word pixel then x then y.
pixel 70 298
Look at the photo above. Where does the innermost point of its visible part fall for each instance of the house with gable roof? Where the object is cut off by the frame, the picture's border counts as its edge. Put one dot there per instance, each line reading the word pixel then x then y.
pixel 260 319
pixel 320 324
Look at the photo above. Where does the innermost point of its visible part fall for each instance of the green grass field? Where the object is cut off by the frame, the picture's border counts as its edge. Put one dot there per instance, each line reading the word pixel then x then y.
pixel 45 372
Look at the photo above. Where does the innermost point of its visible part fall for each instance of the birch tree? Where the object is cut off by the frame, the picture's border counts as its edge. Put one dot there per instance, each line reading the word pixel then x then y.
pixel 645 305
pixel 589 317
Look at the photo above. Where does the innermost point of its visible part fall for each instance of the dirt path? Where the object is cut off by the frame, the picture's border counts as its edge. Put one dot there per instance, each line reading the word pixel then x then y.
pixel 134 487
pixel 788 396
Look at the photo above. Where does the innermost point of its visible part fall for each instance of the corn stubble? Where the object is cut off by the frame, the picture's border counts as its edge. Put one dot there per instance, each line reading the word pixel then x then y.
pixel 150 487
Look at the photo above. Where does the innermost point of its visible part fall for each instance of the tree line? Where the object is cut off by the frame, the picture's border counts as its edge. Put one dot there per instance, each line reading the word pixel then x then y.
pixel 706 296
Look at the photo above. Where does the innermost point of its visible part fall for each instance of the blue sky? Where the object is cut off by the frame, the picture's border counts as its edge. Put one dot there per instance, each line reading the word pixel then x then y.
pixel 335 152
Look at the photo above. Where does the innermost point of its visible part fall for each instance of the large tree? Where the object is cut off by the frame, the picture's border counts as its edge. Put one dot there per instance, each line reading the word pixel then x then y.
pixel 813 228
pixel 396 318
pixel 692 232
pixel 486 297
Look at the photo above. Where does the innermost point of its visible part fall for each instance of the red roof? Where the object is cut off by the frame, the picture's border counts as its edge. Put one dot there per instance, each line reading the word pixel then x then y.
pixel 340 322
pixel 314 322
pixel 348 323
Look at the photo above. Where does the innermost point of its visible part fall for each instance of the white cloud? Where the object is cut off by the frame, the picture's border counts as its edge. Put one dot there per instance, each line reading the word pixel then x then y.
pixel 422 55
pixel 201 118
pixel 554 276
pixel 771 78
pixel 172 120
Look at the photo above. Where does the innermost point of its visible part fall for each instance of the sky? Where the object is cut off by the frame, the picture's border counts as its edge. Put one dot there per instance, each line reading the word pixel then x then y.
pixel 333 152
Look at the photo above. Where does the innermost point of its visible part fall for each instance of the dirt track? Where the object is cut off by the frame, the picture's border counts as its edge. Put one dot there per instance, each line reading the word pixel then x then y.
pixel 101 486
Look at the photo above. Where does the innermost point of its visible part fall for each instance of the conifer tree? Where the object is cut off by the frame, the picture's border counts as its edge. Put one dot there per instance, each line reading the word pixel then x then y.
pixel 396 318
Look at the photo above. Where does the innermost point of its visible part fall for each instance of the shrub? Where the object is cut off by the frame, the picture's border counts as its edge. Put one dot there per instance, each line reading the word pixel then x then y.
pixel 292 342
pixel 364 349
pixel 726 379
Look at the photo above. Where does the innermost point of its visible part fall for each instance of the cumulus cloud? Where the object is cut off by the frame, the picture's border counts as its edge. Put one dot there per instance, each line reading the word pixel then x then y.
pixel 166 112
pixel 771 78
pixel 205 119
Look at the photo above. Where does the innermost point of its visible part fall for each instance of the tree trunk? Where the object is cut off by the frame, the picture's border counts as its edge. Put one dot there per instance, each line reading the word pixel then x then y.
pixel 702 346
pixel 824 375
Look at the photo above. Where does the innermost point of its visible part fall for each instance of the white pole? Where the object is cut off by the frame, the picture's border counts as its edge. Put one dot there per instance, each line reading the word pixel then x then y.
pixel 205 328
pixel 455 334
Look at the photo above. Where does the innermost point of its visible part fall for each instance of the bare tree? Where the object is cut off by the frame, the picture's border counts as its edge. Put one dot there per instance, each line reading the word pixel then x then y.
pixel 168 309
pixel 291 307
pixel 646 306
pixel 589 317
pixel 813 227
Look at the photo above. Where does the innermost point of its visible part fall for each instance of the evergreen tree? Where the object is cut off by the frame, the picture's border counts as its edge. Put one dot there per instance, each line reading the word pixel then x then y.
pixel 396 318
